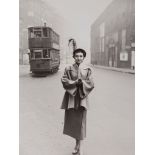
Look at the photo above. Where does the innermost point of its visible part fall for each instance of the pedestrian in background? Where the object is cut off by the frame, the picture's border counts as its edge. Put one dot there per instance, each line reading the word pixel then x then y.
pixel 78 83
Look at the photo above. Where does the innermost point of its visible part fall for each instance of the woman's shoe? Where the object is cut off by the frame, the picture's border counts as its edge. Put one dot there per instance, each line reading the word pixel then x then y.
pixel 76 151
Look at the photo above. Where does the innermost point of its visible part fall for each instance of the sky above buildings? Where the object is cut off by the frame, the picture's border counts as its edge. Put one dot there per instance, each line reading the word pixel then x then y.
pixel 79 14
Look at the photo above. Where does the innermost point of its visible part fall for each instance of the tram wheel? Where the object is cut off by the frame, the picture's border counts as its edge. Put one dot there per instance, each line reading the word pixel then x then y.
pixel 51 71
pixel 56 69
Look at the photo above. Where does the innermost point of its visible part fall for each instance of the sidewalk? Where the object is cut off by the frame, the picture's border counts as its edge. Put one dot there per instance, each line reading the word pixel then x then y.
pixel 124 70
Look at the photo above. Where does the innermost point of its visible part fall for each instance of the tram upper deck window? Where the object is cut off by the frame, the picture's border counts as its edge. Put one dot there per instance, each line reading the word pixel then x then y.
pixel 45 32
pixel 31 34
pixel 37 34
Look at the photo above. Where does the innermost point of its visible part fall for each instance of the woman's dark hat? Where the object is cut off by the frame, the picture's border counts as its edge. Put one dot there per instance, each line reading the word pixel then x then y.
pixel 79 50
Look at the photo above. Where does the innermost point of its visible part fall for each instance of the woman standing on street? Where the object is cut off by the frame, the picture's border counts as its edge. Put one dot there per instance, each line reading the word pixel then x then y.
pixel 78 83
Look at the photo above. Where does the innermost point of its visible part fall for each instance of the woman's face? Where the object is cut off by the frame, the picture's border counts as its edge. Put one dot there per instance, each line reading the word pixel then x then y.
pixel 79 57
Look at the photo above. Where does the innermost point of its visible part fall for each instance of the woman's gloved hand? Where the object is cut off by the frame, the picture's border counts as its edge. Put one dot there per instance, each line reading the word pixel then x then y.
pixel 79 82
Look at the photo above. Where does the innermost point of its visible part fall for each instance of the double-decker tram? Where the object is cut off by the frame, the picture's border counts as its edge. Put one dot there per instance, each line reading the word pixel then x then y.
pixel 44 50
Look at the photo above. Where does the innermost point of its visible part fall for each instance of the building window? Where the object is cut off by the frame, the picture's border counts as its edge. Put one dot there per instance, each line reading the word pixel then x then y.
pixel 107 40
pixel 115 36
pixel 102 35
pixel 123 39
pixel 102 44
pixel 30 13
pixel 102 28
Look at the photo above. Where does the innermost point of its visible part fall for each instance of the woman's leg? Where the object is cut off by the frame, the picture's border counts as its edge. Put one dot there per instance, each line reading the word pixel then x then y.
pixel 81 147
pixel 77 144
pixel 76 148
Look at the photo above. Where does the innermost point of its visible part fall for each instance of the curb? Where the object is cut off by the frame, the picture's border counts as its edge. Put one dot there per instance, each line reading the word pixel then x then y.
pixel 130 71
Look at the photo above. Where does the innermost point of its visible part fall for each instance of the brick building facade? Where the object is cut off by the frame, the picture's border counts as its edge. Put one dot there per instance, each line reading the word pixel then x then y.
pixel 113 36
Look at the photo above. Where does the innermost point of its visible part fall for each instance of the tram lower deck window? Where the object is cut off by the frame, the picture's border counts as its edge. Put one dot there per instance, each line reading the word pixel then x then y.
pixel 37 54
pixel 46 53
pixel 32 54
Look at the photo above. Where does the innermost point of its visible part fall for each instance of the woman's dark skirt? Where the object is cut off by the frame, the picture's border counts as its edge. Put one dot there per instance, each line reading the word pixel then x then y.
pixel 75 123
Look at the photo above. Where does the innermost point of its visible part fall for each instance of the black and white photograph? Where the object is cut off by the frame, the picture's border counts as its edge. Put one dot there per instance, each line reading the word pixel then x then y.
pixel 77 77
